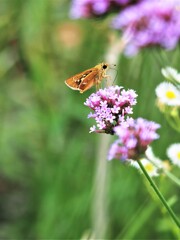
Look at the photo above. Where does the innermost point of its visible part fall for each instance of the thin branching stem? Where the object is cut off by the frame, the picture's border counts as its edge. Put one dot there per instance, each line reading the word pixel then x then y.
pixel 153 185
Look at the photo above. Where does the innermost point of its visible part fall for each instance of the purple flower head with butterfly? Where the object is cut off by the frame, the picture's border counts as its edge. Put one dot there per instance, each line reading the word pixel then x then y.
pixel 110 108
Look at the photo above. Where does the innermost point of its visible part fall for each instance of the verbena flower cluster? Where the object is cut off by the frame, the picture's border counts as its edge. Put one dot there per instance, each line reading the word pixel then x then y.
pixel 110 108
pixel 144 22
pixel 133 140
pixel 150 22
pixel 90 8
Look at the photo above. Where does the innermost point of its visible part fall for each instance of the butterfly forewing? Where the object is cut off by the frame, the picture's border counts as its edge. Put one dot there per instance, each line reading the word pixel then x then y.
pixel 89 81
pixel 85 80
pixel 82 81
pixel 75 81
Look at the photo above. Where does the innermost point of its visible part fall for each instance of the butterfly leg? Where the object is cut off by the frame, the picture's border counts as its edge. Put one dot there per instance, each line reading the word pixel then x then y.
pixel 97 86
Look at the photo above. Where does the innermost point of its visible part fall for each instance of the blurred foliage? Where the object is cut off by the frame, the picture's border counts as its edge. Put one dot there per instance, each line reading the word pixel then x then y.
pixel 47 156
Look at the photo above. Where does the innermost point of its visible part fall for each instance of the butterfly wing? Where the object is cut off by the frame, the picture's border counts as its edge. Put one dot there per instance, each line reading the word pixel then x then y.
pixel 89 81
pixel 83 81
pixel 75 81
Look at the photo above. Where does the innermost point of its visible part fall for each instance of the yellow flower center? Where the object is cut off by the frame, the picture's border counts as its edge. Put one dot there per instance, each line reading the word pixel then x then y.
pixel 178 155
pixel 149 167
pixel 170 94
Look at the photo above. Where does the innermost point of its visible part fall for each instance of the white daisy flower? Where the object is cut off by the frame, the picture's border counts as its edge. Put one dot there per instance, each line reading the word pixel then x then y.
pixel 171 73
pixel 149 167
pixel 168 94
pixel 150 155
pixel 160 164
pixel 173 152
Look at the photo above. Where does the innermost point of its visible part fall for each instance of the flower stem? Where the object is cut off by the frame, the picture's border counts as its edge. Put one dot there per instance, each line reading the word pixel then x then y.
pixel 166 172
pixel 99 207
pixel 172 177
pixel 153 185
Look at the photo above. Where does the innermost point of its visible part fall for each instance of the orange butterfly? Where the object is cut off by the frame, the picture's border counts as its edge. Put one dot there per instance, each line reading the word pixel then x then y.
pixel 90 77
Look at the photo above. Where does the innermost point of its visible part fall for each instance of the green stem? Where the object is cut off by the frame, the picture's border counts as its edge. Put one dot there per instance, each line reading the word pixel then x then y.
pixel 171 176
pixel 173 121
pixel 153 185
pixel 166 172
pixel 99 207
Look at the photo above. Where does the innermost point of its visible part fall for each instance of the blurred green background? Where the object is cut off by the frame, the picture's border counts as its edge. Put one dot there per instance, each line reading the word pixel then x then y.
pixel 47 156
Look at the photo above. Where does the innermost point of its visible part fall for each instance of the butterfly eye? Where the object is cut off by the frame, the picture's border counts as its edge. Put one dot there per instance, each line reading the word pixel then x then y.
pixel 104 66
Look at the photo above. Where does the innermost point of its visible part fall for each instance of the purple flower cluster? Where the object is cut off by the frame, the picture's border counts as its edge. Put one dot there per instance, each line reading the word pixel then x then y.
pixel 89 8
pixel 133 140
pixel 110 107
pixel 150 22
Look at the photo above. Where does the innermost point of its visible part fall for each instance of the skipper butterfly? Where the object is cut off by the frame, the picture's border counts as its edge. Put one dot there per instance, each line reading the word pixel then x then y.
pixel 90 77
